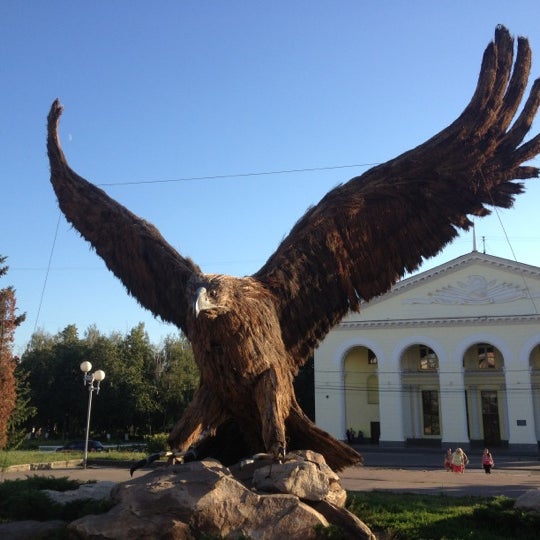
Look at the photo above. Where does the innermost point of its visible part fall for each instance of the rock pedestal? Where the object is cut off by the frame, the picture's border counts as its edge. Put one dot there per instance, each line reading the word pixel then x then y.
pixel 262 500
pixel 259 500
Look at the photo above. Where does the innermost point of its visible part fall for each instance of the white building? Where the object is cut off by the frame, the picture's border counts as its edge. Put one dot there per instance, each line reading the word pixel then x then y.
pixel 449 357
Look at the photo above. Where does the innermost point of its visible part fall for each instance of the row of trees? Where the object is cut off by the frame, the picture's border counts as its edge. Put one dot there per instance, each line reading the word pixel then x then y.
pixel 145 390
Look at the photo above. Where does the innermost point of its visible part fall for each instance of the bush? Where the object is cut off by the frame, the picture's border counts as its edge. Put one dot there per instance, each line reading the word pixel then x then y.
pixel 25 499
pixel 22 503
pixel 157 443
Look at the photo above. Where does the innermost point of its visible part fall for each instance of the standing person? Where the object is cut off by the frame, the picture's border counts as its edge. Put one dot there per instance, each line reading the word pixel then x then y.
pixel 487 461
pixel 465 460
pixel 459 460
pixel 448 460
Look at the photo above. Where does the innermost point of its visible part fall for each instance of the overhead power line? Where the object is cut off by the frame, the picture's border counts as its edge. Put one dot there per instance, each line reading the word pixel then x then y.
pixel 47 272
pixel 237 175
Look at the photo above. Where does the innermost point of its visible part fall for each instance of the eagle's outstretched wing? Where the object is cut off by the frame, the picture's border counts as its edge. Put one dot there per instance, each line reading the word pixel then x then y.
pixel 134 250
pixel 364 235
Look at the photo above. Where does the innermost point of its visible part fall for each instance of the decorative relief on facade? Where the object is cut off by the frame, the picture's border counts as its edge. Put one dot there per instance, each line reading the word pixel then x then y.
pixel 476 290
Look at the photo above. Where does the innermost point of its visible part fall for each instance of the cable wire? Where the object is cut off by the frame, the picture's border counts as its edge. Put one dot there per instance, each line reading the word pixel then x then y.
pixel 237 175
pixel 47 272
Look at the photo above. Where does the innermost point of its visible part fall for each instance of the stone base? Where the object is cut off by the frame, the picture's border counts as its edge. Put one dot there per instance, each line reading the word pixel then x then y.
pixel 204 498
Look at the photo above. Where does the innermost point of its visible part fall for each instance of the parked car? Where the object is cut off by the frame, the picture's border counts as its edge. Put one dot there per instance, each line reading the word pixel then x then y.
pixel 78 446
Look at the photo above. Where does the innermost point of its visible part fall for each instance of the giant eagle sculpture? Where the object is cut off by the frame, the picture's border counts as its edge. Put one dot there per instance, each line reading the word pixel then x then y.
pixel 250 335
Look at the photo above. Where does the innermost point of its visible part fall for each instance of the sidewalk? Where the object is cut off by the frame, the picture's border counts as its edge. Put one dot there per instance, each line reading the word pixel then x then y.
pixel 432 458
pixel 509 482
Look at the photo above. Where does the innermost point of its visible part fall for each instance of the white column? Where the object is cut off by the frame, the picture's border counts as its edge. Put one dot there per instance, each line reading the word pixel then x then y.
pixel 408 410
pixel 474 409
pixel 416 412
pixel 329 395
pixel 391 408
pixel 521 429
pixel 453 406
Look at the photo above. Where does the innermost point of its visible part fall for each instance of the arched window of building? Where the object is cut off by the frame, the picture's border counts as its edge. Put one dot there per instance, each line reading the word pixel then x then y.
pixel 428 358
pixel 419 357
pixel 372 359
pixel 486 356
pixel 483 357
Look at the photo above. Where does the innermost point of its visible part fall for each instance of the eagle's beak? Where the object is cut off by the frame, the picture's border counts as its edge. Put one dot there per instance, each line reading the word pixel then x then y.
pixel 201 301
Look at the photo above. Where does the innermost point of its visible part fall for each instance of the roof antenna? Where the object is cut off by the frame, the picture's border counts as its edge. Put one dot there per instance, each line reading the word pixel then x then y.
pixel 484 244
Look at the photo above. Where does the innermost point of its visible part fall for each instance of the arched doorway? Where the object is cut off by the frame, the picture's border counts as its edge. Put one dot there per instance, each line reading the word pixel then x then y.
pixel 483 366
pixel 421 393
pixel 361 384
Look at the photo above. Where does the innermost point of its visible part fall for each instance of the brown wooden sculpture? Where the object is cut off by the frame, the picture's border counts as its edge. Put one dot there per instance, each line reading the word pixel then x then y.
pixel 250 335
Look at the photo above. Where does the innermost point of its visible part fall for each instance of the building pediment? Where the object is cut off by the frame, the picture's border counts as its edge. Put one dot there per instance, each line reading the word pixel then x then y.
pixel 475 289
pixel 466 288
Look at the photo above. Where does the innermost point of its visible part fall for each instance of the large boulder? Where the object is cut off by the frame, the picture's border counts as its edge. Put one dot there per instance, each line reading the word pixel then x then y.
pixel 530 500
pixel 308 477
pixel 206 498
pixel 96 491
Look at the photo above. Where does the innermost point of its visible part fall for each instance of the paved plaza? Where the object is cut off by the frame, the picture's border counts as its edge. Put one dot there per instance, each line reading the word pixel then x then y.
pixel 406 470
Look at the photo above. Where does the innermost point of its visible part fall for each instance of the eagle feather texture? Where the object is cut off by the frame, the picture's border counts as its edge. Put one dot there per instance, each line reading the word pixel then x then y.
pixel 352 246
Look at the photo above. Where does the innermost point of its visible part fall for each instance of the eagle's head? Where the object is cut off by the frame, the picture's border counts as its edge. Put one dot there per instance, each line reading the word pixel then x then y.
pixel 207 300
pixel 213 295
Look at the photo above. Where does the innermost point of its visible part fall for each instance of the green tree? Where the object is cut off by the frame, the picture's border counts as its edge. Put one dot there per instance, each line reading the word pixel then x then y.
pixel 23 411
pixel 177 379
pixel 9 321
pixel 55 380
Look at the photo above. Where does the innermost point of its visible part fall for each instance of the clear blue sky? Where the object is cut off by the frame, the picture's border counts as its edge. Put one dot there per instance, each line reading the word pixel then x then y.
pixel 170 90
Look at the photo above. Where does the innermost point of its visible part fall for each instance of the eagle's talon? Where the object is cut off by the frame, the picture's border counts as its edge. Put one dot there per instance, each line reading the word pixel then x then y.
pixel 172 456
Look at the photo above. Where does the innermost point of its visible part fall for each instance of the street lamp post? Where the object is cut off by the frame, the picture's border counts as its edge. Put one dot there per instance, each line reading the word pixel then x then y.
pixel 89 379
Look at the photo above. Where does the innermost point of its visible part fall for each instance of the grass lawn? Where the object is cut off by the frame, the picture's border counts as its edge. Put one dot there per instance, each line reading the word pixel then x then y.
pixel 21 457
pixel 409 516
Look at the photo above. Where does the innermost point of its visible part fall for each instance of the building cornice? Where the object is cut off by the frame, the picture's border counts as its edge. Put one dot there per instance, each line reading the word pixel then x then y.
pixel 439 322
